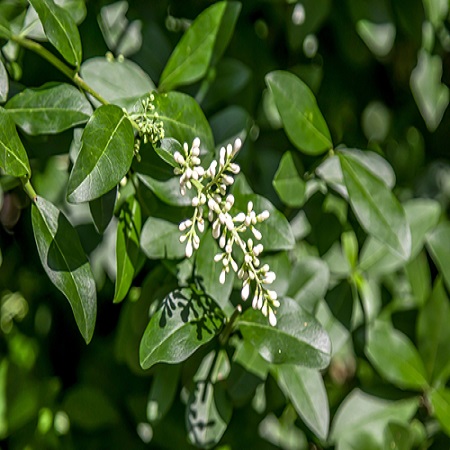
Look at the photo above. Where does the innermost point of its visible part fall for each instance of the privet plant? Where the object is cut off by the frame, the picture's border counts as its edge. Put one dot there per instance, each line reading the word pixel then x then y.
pixel 301 302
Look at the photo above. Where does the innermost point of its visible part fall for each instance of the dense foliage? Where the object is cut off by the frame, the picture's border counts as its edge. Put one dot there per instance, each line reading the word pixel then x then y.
pixel 224 224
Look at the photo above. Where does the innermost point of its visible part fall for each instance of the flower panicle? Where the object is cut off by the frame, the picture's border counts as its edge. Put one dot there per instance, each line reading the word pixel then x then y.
pixel 212 202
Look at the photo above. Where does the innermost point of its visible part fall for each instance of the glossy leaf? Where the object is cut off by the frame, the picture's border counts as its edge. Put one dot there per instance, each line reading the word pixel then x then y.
pixel 395 357
pixel 65 263
pixel 49 109
pixel 127 246
pixel 297 338
pixel 208 409
pixel 305 388
pixel 160 239
pixel 376 208
pixel 302 119
pixel 117 81
pixel 433 332
pixel 184 322
pixel 362 413
pixel 308 282
pixel 13 157
pixel 4 83
pixel 102 210
pixel 105 156
pixel 440 400
pixel 60 29
pixel 438 244
pixel 288 183
pixel 192 56
pixel 276 231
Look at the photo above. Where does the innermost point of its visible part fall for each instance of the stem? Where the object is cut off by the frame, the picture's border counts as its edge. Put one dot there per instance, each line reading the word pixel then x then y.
pixel 223 338
pixel 29 189
pixel 56 62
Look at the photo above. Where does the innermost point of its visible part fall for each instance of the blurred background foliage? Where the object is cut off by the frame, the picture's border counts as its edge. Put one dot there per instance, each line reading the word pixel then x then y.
pixel 380 70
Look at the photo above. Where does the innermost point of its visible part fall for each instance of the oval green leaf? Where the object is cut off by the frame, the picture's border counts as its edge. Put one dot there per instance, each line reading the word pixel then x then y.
pixel 297 339
pixel 185 321
pixel 60 29
pixel 160 239
pixel 378 211
pixel 440 399
pixel 65 263
pixel 49 109
pixel 105 156
pixel 192 56
pixel 127 246
pixel 306 390
pixel 395 357
pixel 302 119
pixel 13 157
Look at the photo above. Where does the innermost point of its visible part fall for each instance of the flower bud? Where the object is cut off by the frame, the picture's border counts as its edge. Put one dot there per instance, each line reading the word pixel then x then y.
pixel 189 249
pixel 272 317
pixel 245 290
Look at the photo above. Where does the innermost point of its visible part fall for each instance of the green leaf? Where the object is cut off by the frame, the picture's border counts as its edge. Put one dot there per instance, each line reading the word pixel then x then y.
pixel 160 239
pixel 305 389
pixel 395 357
pixel 302 119
pixel 163 391
pixel 118 81
pixel 127 246
pixel 208 271
pixel 230 123
pixel 209 409
pixel 13 157
pixel 440 400
pixel 105 156
pixel 184 322
pixel 438 244
pixel 362 413
pixel 193 55
pixel 248 357
pixel 276 231
pixel 49 109
pixel 65 263
pixel 297 339
pixel 4 83
pixel 5 31
pixel 433 332
pixel 309 280
pixel 102 209
pixel 288 183
pixel 422 215
pixel 378 211
pixel 60 29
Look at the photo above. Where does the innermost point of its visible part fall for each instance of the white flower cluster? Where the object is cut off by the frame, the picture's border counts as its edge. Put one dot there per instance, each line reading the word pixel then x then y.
pixel 212 201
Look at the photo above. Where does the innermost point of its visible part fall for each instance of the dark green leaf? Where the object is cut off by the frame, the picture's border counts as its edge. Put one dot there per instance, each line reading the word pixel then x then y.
pixel 438 243
pixel 117 81
pixel 309 282
pixel 297 339
pixel 127 246
pixel 49 109
pixel 376 208
pixel 160 239
pixel 61 30
pixel 288 182
pixel 276 231
pixel 395 357
pixel 102 209
pixel 230 123
pixel 305 388
pixel 209 409
pixel 163 391
pixel 363 413
pixel 184 322
pixel 433 332
pixel 166 149
pixel 5 31
pixel 13 157
pixel 4 82
pixel 66 264
pixel 105 156
pixel 302 119
pixel 192 56
pixel 440 400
